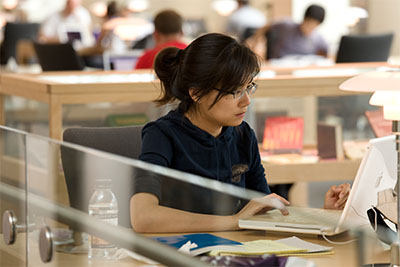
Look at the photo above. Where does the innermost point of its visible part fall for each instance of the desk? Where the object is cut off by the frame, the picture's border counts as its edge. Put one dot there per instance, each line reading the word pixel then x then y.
pixel 344 255
pixel 311 172
pixel 62 88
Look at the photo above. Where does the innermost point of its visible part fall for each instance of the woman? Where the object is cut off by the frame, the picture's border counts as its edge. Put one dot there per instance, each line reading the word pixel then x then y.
pixel 212 79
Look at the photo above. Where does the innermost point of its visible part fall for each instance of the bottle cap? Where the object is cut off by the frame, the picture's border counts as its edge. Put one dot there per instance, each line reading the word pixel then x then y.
pixel 103 183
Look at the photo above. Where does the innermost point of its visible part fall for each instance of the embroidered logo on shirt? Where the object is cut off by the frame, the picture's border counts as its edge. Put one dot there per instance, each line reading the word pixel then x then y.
pixel 237 171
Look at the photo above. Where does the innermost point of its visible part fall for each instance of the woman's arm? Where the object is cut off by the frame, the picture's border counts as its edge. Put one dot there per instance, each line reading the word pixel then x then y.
pixel 147 216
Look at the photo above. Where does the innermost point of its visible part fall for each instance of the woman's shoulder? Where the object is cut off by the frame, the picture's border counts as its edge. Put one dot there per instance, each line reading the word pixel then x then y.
pixel 164 124
pixel 244 130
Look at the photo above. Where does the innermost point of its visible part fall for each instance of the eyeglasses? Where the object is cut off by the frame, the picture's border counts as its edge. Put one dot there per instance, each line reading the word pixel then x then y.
pixel 238 94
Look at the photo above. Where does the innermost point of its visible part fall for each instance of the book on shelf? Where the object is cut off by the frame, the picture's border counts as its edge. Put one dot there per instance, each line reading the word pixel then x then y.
pixel 283 135
pixel 203 242
pixel 330 141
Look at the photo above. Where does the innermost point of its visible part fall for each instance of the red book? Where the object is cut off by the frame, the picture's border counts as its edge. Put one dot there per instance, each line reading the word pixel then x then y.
pixel 283 134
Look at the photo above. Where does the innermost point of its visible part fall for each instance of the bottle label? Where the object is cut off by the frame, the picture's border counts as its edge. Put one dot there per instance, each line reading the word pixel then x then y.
pixel 97 242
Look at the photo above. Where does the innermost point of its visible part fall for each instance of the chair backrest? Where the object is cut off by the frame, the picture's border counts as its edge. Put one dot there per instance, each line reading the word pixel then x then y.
pixel 124 141
pixel 14 32
pixel 58 57
pixel 271 35
pixel 364 48
pixel 248 32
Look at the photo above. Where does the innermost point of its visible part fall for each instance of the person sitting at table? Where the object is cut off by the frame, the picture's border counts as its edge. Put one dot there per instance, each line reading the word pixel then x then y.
pixel 289 38
pixel 107 39
pixel 167 33
pixel 244 20
pixel 212 79
pixel 72 24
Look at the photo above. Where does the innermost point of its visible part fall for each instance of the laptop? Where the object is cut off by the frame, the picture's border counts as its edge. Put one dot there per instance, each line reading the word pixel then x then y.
pixel 377 172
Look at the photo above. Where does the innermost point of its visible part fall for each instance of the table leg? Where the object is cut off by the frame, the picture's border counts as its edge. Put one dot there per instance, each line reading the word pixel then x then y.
pixel 55 118
pixel 2 111
pixel 310 119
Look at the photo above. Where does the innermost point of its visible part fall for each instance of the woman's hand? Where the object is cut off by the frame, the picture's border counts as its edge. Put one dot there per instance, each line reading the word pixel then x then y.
pixel 262 205
pixel 336 196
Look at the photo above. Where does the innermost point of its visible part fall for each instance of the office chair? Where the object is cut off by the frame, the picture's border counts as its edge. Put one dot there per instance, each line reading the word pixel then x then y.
pixel 123 141
pixel 248 32
pixel 126 141
pixel 364 48
pixel 14 32
pixel 271 36
pixel 58 57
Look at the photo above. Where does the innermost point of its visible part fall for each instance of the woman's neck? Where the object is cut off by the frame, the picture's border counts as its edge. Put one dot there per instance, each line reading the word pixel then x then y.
pixel 196 119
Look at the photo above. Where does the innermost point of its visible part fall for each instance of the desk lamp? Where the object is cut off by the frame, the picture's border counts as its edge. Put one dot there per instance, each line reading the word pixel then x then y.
pixel 386 87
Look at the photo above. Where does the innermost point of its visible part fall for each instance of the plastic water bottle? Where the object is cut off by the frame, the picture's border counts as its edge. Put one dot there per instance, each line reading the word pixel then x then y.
pixel 103 205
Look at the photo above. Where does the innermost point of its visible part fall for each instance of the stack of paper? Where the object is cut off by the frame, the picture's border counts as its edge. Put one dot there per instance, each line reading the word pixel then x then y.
pixel 291 246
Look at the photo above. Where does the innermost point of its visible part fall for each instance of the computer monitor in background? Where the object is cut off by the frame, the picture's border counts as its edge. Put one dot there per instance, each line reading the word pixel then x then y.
pixel 74 36
pixel 364 48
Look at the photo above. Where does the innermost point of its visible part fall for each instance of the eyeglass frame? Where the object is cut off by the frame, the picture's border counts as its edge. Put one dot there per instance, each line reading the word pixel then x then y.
pixel 250 89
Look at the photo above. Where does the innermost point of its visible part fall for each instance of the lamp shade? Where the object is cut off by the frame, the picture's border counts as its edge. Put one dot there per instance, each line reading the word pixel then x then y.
pixel 385 98
pixel 386 87
pixel 388 80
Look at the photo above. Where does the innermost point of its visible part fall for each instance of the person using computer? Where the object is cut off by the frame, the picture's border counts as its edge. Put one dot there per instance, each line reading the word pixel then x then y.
pixel 72 24
pixel 289 38
pixel 245 20
pixel 167 32
pixel 212 79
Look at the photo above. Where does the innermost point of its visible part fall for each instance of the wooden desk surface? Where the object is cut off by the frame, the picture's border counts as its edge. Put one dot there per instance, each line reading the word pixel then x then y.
pixel 284 82
pixel 80 87
pixel 311 172
pixel 344 255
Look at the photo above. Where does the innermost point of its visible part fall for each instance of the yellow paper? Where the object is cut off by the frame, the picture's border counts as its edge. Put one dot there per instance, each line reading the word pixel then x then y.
pixel 259 247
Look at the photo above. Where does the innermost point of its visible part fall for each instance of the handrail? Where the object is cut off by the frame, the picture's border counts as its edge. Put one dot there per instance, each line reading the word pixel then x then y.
pixel 81 221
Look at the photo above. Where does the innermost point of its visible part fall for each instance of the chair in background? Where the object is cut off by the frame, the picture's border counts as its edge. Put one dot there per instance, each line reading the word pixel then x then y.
pixel 271 36
pixel 364 48
pixel 58 57
pixel 248 32
pixel 121 60
pixel 13 33
pixel 123 141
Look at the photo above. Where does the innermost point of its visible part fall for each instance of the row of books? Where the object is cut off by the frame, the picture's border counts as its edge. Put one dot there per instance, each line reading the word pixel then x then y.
pixel 284 135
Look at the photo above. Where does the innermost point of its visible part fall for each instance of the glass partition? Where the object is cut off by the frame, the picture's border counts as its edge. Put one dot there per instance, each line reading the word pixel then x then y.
pixel 12 198
pixel 79 212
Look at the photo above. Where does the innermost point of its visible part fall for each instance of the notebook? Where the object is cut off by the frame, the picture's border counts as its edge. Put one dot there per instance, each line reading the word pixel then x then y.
pixel 203 242
pixel 377 172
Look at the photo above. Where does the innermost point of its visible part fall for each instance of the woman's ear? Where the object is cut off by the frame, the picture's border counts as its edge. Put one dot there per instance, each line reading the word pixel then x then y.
pixel 193 95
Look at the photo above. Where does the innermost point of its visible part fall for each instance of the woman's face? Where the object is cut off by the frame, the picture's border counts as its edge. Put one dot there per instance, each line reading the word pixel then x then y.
pixel 227 111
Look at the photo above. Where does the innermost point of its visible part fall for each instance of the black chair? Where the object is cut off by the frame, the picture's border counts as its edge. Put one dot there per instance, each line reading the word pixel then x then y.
pixel 58 57
pixel 248 32
pixel 14 32
pixel 272 37
pixel 364 48
pixel 123 141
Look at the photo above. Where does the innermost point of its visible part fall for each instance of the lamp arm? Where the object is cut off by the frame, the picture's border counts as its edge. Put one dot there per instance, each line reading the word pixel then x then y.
pixel 395 250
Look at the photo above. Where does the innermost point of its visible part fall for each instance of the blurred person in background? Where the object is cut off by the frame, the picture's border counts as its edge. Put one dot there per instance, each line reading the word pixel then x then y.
pixel 287 37
pixel 72 24
pixel 11 12
pixel 245 20
pixel 167 33
pixel 107 39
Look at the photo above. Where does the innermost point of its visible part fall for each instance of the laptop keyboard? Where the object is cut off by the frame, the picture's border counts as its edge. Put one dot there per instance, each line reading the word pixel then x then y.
pixel 310 216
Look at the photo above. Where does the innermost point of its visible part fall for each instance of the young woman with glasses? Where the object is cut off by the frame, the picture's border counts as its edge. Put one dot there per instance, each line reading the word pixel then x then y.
pixel 212 79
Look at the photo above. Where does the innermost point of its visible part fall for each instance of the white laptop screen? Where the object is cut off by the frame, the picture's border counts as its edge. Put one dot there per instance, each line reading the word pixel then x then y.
pixel 377 172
